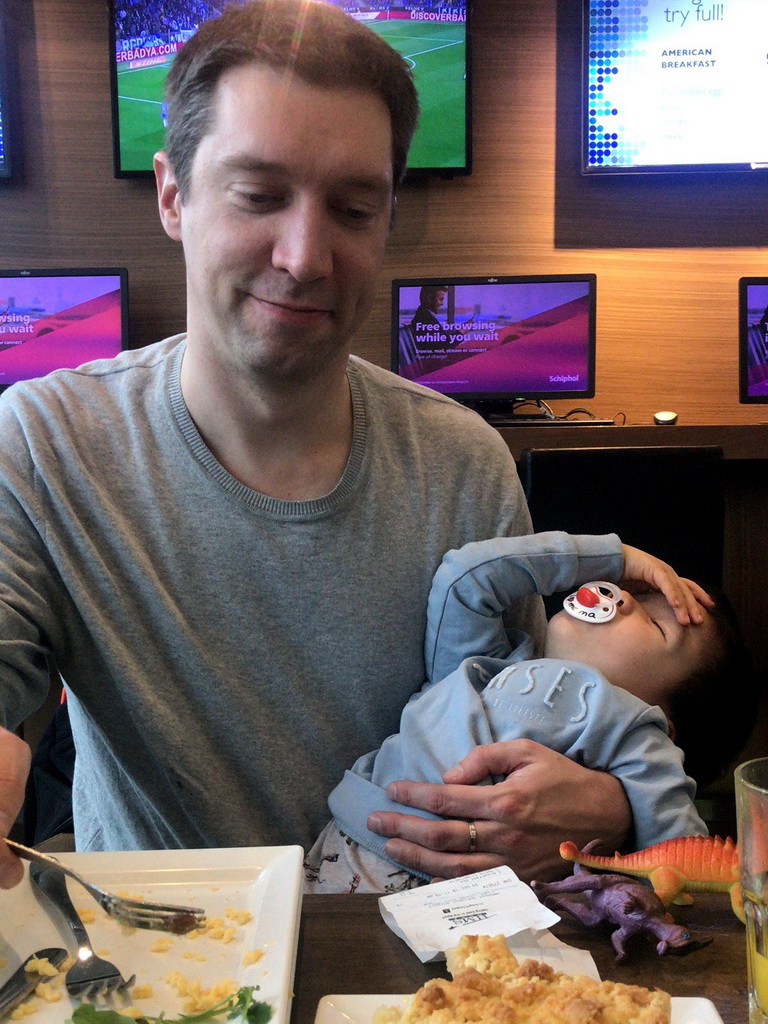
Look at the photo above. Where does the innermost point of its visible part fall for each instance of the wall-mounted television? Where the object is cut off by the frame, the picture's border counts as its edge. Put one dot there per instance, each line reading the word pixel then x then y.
pixel 753 339
pixel 6 113
pixel 433 36
pixel 50 319
pixel 490 342
pixel 674 87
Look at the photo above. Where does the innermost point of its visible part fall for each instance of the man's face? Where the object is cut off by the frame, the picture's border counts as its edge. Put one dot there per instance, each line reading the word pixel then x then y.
pixel 284 224
pixel 643 649
pixel 437 302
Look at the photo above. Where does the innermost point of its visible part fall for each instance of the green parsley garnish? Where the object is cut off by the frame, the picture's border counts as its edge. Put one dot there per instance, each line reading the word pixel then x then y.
pixel 240 1007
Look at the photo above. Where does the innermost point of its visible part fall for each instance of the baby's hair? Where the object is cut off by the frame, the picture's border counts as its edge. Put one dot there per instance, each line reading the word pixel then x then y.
pixel 715 708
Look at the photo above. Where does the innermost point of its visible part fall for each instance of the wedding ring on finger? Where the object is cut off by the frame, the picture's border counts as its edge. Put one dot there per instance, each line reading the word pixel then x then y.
pixel 472 836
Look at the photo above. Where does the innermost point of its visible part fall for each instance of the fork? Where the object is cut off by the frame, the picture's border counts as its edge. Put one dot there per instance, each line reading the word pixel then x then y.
pixel 136 913
pixel 90 975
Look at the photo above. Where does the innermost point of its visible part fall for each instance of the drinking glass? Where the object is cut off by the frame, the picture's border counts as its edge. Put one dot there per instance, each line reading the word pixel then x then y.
pixel 752 823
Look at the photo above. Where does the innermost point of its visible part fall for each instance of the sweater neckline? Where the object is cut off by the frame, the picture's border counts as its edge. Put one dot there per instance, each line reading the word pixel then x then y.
pixel 313 508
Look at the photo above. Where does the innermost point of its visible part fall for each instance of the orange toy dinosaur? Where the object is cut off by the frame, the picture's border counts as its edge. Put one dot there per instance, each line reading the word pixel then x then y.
pixel 675 867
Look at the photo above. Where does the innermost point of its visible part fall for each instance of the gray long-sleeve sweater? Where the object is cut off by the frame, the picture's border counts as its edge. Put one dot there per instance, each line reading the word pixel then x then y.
pixel 226 654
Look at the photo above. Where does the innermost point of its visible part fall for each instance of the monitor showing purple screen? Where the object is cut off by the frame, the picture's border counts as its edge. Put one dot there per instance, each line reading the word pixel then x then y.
pixel 753 339
pixel 55 319
pixel 7 118
pixel 500 338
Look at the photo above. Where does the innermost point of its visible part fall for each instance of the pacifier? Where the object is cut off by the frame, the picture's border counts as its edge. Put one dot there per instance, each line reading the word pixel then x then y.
pixel 594 602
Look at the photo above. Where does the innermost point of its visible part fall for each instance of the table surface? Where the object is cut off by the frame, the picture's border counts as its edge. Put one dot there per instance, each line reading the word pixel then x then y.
pixel 345 947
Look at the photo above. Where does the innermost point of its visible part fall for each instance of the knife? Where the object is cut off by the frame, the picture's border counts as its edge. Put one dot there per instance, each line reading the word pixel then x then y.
pixel 22 982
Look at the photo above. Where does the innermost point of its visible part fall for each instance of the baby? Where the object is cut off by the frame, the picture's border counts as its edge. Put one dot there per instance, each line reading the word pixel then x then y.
pixel 620 677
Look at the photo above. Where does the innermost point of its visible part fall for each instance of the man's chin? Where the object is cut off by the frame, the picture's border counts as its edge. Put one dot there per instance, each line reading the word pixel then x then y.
pixel 281 366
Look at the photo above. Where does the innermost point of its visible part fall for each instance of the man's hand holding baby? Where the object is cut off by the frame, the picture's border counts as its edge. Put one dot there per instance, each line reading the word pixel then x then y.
pixel 520 821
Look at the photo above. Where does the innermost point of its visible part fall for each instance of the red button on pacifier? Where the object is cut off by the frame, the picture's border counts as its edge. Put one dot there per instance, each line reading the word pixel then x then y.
pixel 594 602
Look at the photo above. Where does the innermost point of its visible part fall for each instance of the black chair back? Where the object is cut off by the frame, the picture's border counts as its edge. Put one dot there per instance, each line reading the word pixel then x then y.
pixel 666 500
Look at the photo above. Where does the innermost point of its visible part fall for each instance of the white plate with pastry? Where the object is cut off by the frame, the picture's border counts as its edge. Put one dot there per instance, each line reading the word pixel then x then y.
pixel 359 1009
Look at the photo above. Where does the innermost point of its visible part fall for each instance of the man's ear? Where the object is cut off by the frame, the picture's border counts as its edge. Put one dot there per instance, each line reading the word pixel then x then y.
pixel 168 196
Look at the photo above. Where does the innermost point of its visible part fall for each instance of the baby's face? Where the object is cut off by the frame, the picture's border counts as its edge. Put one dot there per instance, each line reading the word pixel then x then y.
pixel 643 649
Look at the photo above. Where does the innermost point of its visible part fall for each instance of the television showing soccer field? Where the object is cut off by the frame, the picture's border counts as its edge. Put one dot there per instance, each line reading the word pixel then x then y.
pixel 432 35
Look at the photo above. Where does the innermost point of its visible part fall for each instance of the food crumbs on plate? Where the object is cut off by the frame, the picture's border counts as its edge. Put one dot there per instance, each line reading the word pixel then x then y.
pixel 25 1009
pixel 40 965
pixel 197 999
pixel 142 992
pixel 131 1011
pixel 215 928
pixel 195 956
pixel 238 916
pixel 252 957
pixel 48 993
pixel 386 1015
pixel 161 945
pixel 87 914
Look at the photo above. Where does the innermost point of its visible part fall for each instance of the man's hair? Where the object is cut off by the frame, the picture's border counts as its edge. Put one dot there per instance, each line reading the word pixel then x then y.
pixel 428 292
pixel 309 38
pixel 714 709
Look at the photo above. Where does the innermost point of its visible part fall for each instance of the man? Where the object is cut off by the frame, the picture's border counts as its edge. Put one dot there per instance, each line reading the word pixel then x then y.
pixel 429 332
pixel 431 299
pixel 225 542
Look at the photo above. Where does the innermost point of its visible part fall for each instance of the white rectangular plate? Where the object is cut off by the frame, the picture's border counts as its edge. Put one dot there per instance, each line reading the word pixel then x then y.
pixel 266 881
pixel 360 1009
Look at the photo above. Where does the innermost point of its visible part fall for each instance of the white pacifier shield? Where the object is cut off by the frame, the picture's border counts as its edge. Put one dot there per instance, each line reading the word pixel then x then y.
pixel 594 602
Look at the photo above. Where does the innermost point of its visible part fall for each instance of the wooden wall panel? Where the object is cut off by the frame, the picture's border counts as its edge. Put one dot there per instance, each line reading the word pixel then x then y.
pixel 66 208
pixel 667 331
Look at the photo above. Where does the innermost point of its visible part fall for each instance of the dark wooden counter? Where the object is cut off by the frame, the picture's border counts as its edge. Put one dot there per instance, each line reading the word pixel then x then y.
pixel 738 441
pixel 345 947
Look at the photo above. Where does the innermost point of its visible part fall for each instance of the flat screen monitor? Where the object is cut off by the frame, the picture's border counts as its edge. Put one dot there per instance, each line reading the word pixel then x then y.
pixel 492 341
pixel 674 87
pixel 432 35
pixel 51 319
pixel 6 114
pixel 753 339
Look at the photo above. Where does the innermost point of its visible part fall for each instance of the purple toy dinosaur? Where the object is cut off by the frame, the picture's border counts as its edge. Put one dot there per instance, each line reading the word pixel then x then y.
pixel 633 907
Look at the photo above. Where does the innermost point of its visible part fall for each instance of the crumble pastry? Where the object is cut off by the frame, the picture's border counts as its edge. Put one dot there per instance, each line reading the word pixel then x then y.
pixel 489 984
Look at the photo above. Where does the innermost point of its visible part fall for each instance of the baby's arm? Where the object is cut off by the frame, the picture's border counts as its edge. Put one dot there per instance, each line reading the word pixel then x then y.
pixel 476 583
pixel 650 768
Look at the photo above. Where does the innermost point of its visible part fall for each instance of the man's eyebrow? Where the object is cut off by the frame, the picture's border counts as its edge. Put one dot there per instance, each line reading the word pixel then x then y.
pixel 253 165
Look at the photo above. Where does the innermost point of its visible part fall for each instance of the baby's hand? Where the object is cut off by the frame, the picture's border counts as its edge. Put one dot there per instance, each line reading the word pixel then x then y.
pixel 643 571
